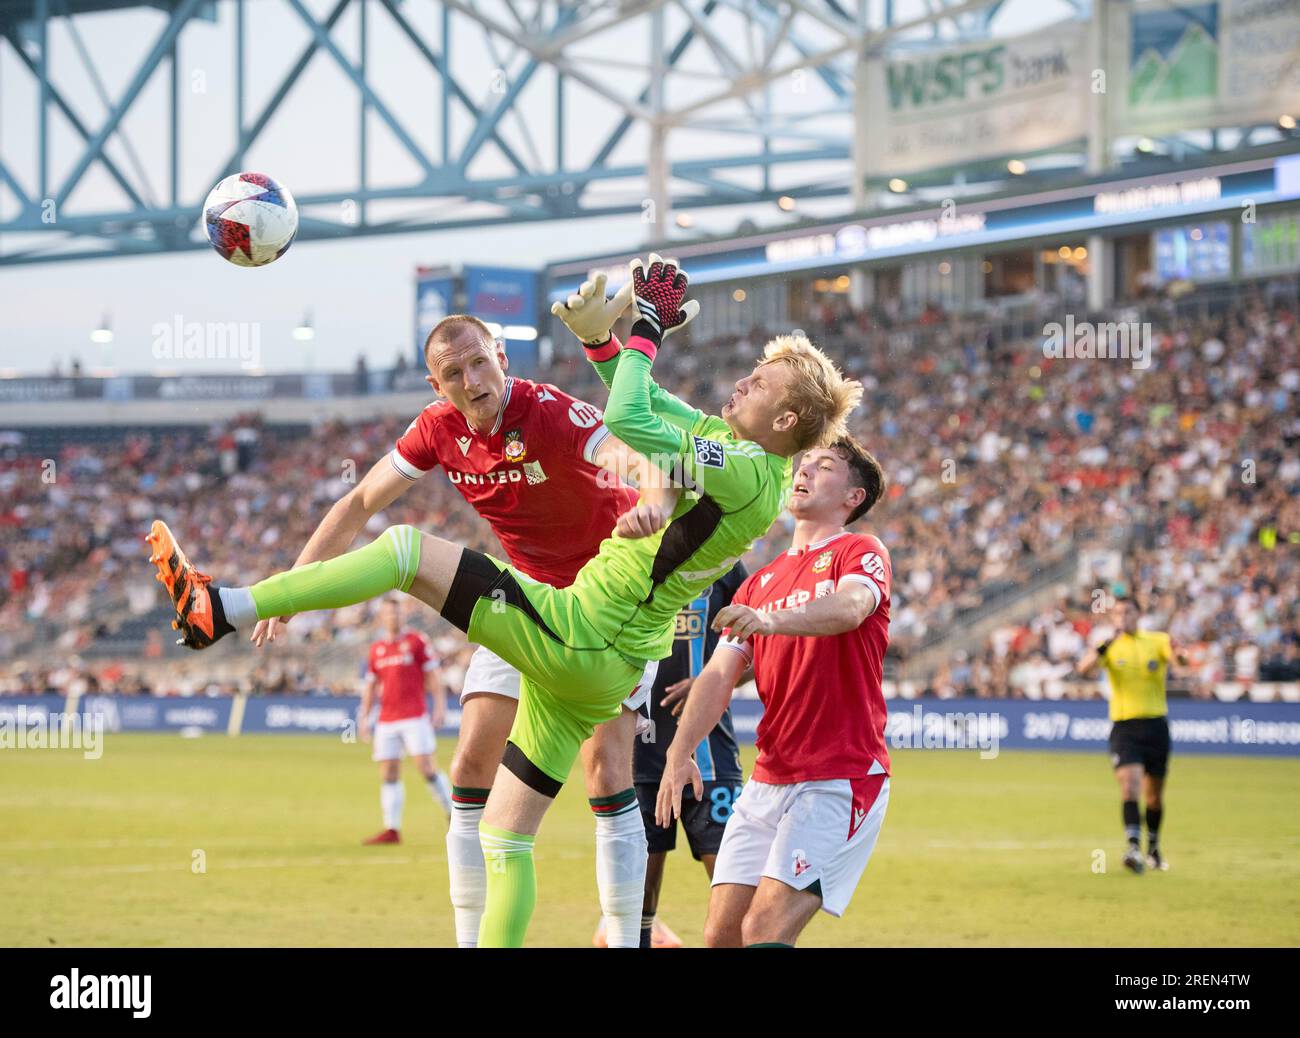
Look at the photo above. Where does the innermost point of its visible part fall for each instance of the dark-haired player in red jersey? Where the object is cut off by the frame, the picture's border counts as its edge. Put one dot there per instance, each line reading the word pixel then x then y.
pixel 529 458
pixel 815 625
pixel 405 673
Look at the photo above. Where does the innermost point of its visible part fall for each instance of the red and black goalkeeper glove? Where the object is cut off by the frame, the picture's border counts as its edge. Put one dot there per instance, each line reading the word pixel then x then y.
pixel 660 294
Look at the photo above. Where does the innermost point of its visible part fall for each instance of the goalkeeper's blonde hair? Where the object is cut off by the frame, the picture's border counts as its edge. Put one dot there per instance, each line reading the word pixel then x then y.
pixel 819 393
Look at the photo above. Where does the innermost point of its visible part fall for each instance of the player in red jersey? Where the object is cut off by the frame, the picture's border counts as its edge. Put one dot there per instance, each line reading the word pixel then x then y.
pixel 814 623
pixel 405 672
pixel 528 458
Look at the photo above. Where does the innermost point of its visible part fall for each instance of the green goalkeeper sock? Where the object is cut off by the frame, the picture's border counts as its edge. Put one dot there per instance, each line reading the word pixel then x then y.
pixel 511 887
pixel 385 564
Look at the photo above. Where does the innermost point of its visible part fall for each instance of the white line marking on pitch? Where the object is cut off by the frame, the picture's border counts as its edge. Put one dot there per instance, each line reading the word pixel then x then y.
pixel 1005 845
pixel 268 863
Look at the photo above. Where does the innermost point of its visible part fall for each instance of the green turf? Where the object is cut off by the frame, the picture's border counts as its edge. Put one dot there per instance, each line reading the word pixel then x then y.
pixel 973 853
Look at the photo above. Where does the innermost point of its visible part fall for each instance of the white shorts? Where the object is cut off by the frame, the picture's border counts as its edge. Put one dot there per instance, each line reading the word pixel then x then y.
pixel 488 672
pixel 803 833
pixel 414 734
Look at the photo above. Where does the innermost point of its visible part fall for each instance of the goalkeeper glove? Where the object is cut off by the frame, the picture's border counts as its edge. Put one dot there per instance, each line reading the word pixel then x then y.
pixel 589 314
pixel 660 293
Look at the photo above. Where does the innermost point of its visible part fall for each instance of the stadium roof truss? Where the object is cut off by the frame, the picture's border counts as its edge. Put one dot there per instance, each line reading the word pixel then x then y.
pixel 390 116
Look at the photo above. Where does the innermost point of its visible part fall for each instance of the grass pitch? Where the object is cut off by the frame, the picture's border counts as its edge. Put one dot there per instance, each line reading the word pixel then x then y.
pixel 166 841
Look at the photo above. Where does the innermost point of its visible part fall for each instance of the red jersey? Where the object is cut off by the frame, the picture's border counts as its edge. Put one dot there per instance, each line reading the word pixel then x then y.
pixel 532 477
pixel 823 705
pixel 399 667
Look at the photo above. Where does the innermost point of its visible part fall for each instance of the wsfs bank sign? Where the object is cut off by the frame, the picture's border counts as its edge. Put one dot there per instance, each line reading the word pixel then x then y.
pixel 997 97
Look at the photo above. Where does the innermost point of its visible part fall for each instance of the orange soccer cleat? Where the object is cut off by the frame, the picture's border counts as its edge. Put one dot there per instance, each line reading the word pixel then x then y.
pixel 383 836
pixel 197 612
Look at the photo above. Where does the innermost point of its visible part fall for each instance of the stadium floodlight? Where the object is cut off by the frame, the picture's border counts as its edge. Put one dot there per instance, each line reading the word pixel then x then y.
pixel 685 220
pixel 1146 145
pixel 494 329
pixel 305 332
pixel 104 333
pixel 738 295
pixel 1287 122
pixel 785 203
pixel 520 332
pixel 898 185
pixel 1016 168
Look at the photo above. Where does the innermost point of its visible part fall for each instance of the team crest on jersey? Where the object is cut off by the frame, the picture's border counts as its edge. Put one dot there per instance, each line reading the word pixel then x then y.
pixel 709 453
pixel 823 562
pixel 533 473
pixel 514 447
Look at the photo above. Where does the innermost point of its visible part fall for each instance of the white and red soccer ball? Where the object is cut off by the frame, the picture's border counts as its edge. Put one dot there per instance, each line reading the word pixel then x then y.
pixel 250 219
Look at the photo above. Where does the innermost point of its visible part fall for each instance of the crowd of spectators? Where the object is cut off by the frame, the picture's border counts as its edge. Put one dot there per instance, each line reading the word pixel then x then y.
pixel 1003 463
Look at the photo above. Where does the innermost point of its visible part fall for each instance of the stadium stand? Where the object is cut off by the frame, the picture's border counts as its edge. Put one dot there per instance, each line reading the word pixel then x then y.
pixel 1042 483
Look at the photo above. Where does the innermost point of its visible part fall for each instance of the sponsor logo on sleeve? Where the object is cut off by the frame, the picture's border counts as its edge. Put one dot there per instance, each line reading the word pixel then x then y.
pixel 873 566
pixel 583 415
pixel 709 453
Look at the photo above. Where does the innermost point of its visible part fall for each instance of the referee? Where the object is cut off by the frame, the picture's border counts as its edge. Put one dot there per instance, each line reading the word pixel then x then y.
pixel 1137 663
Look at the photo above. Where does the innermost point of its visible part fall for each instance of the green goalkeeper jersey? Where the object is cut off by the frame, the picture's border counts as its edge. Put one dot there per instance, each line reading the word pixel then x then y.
pixel 633 589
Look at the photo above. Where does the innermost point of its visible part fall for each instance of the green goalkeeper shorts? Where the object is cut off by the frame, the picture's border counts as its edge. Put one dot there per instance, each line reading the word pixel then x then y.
pixel 572 679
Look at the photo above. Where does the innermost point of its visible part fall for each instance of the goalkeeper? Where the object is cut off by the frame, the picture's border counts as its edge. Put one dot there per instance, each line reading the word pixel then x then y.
pixel 583 648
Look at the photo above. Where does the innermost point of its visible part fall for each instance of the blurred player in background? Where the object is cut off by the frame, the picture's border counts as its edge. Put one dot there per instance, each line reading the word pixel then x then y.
pixel 1137 664
pixel 401 666
pixel 718 755
pixel 814 623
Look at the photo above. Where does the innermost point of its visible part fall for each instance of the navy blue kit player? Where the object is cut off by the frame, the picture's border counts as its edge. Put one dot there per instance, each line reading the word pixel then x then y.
pixel 718 756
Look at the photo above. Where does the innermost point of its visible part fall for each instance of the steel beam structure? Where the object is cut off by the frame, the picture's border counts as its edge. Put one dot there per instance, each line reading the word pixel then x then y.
pixel 114 121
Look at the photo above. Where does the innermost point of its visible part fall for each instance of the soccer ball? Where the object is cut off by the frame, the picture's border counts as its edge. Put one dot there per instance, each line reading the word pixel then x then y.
pixel 250 219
